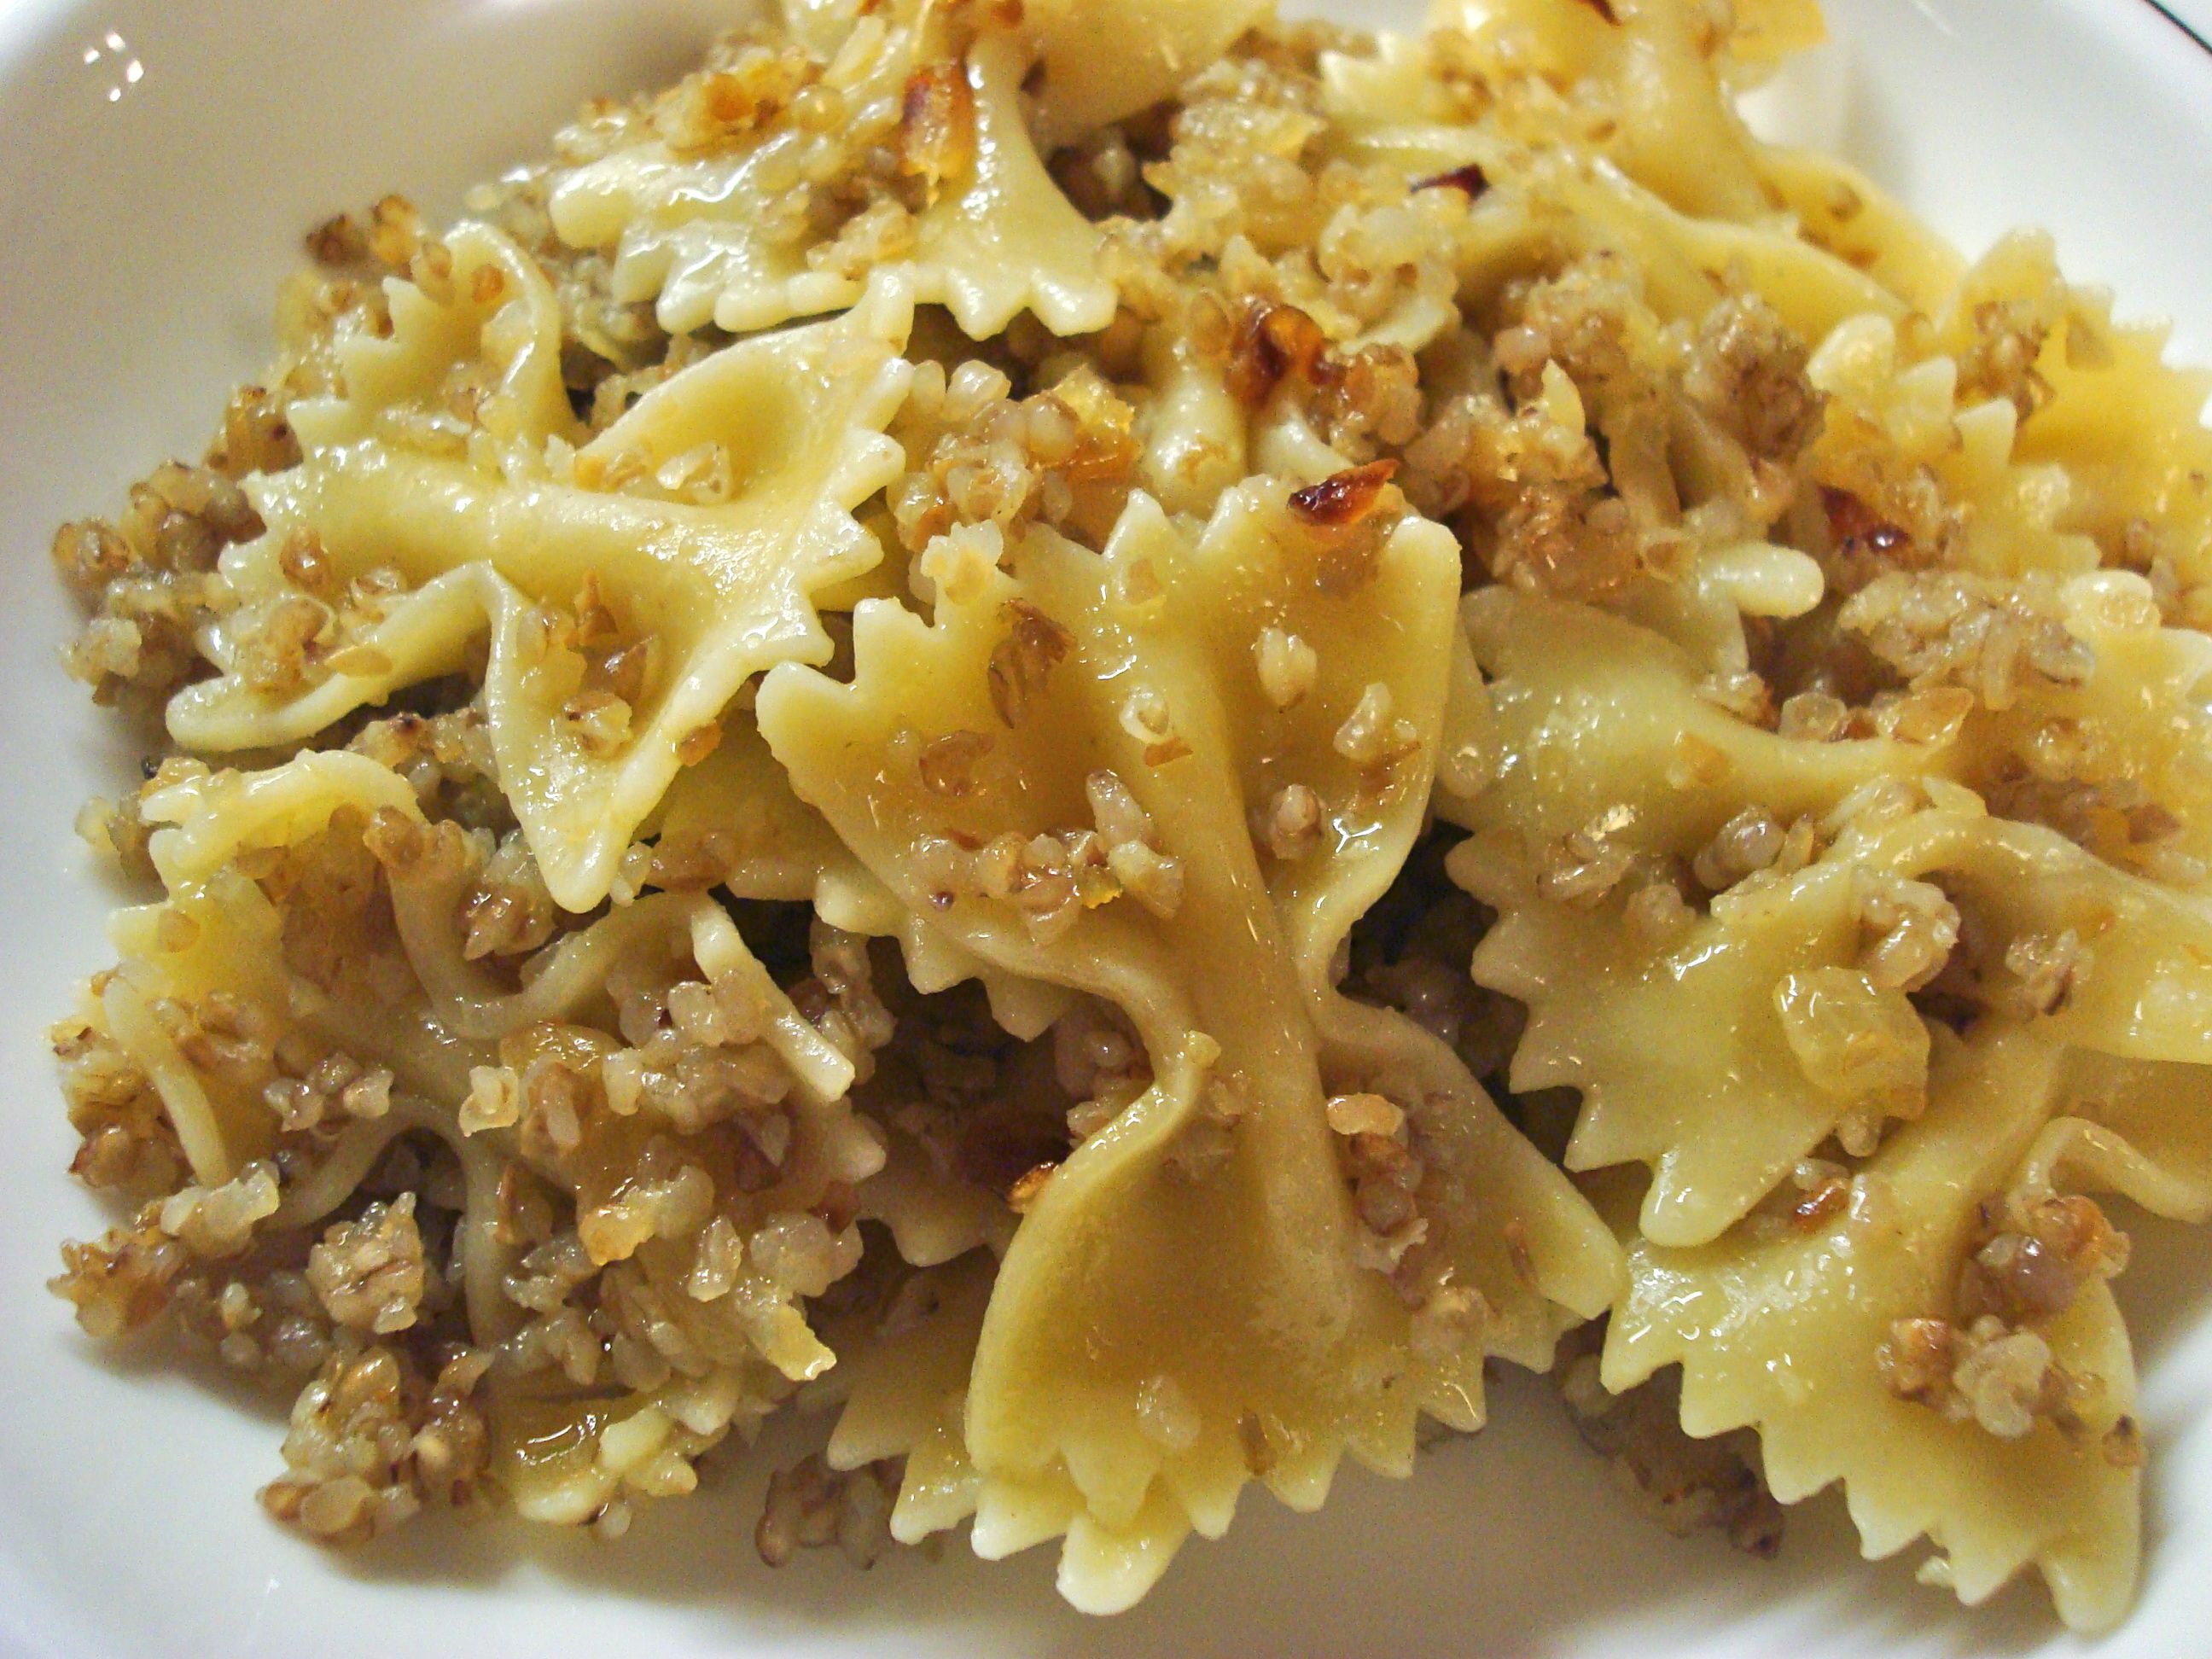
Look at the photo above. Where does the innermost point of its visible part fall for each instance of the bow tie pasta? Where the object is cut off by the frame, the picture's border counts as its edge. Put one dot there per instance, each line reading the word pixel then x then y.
pixel 1060 770
pixel 1120 736
pixel 714 583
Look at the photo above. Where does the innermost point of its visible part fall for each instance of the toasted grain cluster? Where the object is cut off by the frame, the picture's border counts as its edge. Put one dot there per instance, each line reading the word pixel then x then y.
pixel 641 1195
pixel 1989 1362
pixel 586 1192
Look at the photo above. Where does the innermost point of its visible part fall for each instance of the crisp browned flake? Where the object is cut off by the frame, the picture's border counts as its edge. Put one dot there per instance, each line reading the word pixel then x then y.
pixel 1822 1205
pixel 1345 498
pixel 1470 179
pixel 1856 526
pixel 1273 342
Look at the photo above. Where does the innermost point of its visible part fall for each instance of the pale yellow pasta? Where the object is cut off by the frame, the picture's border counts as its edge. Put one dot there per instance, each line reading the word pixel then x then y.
pixel 726 587
pixel 1125 1231
pixel 1119 736
pixel 694 235
pixel 1782 1333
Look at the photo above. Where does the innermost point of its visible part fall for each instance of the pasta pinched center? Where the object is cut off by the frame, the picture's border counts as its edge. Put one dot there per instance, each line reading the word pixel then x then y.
pixel 1123 734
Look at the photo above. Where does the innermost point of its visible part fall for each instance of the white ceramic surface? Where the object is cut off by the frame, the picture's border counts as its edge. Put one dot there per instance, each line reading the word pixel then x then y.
pixel 158 159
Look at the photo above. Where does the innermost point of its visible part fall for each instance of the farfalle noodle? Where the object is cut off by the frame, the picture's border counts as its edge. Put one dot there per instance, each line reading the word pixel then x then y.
pixel 1111 737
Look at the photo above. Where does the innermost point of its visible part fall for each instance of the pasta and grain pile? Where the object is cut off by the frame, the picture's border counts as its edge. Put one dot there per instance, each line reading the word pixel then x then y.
pixel 1112 735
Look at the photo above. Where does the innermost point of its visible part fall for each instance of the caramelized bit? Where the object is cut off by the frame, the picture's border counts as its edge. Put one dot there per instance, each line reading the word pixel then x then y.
pixel 1470 179
pixel 1027 1187
pixel 1343 499
pixel 1856 527
pixel 1273 342
pixel 1821 1205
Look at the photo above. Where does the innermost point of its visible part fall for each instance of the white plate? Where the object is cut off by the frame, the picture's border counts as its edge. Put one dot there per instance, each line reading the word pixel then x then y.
pixel 160 159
